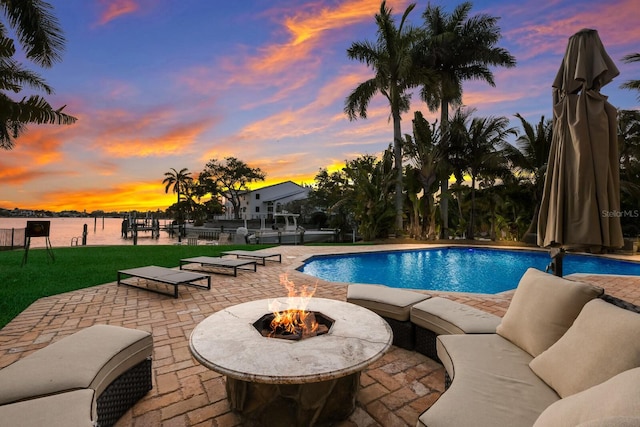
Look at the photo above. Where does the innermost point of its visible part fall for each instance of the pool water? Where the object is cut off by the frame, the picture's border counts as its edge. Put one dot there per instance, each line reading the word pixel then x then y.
pixel 477 270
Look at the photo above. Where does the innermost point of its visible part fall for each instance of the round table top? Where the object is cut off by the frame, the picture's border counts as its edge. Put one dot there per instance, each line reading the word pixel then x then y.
pixel 227 342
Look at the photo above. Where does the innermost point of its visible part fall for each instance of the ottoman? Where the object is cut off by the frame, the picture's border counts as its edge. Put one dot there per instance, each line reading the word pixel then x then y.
pixel 441 316
pixel 392 304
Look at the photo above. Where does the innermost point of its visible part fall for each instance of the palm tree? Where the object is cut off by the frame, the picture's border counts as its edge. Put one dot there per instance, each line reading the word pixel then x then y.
pixel 457 48
pixel 40 36
pixel 391 58
pixel 178 182
pixel 483 141
pixel 530 158
pixel 632 84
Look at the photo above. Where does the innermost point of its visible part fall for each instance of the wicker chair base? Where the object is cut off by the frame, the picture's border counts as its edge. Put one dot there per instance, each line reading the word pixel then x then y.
pixel 426 343
pixel 403 333
pixel 123 393
pixel 447 380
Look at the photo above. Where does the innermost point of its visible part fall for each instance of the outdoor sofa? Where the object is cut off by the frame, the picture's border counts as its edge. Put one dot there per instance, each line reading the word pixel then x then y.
pixel 564 354
pixel 90 378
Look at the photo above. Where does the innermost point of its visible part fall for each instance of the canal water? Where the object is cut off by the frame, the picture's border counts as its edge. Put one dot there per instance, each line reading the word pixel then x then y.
pixel 65 232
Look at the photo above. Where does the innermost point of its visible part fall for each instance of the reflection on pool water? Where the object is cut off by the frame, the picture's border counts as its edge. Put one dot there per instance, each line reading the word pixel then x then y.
pixel 478 270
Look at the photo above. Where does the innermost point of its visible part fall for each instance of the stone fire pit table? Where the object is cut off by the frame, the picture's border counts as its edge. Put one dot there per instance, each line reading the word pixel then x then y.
pixel 279 382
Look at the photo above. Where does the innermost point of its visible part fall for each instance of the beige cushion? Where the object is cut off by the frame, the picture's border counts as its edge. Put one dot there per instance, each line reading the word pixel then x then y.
pixel 492 384
pixel 603 341
pixel 610 403
pixel 542 309
pixel 383 300
pixel 444 317
pixel 612 422
pixel 71 409
pixel 91 358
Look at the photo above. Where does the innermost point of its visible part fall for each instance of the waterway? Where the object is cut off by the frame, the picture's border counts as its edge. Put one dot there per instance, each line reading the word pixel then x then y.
pixel 65 232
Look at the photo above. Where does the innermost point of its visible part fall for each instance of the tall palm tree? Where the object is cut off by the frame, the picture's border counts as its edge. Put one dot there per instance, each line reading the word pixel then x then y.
pixel 40 36
pixel 483 141
pixel 178 182
pixel 632 84
pixel 530 158
pixel 457 48
pixel 391 58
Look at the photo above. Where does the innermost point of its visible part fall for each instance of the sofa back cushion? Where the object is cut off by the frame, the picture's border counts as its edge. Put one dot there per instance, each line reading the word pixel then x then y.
pixel 614 402
pixel 603 341
pixel 542 309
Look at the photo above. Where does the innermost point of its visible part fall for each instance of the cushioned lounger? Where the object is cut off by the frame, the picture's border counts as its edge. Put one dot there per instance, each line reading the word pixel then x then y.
pixel 224 264
pixel 163 275
pixel 263 256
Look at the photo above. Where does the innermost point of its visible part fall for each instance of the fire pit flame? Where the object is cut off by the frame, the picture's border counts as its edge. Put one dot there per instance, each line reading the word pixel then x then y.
pixel 293 321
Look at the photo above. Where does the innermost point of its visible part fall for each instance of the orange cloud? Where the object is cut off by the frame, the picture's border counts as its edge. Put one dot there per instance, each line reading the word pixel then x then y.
pixel 305 29
pixel 116 8
pixel 176 139
pixel 157 133
pixel 309 119
pixel 124 197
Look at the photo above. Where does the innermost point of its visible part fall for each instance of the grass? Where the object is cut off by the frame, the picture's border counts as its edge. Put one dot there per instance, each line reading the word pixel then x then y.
pixel 81 267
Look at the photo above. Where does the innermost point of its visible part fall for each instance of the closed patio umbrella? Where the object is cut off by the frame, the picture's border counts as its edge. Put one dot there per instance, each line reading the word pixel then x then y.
pixel 581 199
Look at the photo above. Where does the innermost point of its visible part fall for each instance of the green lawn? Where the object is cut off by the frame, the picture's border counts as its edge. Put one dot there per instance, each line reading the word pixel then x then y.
pixel 81 267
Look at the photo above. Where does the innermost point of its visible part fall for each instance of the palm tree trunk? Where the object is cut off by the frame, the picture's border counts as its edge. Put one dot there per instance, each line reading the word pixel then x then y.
pixel 397 152
pixel 444 184
pixel 470 235
pixel 532 231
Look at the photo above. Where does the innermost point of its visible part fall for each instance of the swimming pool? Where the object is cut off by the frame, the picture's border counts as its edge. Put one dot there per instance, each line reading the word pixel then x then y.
pixel 478 270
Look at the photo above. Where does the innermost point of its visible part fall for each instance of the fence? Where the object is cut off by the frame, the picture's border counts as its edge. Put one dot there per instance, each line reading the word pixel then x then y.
pixel 12 238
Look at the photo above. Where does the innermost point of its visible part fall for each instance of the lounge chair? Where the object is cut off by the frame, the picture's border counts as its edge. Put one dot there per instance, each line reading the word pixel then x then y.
pixel 263 256
pixel 163 275
pixel 219 264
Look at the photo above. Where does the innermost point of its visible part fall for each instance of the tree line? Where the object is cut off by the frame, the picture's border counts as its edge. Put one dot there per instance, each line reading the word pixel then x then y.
pixel 203 197
pixel 497 186
pixel 435 59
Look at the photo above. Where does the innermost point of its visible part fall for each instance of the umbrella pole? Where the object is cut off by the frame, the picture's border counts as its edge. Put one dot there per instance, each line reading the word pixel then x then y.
pixel 555 266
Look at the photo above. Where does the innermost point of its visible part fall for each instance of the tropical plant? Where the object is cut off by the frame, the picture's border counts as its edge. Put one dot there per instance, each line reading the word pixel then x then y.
pixel 482 141
pixel 456 48
pixel 391 58
pixel 231 178
pixel 426 159
pixel 370 183
pixel 629 152
pixel 530 160
pixel 40 36
pixel 632 84
pixel 329 194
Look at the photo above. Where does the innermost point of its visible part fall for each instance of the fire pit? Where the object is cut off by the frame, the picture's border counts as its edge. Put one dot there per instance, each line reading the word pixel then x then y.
pixel 309 380
pixel 302 324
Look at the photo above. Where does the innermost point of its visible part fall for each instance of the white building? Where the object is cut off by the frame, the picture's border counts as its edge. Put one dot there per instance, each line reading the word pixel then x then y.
pixel 264 202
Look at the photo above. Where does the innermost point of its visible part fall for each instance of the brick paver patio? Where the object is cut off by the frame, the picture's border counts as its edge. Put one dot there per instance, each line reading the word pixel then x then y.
pixel 395 390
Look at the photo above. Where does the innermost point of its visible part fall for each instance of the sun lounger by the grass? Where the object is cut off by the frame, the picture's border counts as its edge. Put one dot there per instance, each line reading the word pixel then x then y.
pixel 162 275
pixel 263 256
pixel 223 265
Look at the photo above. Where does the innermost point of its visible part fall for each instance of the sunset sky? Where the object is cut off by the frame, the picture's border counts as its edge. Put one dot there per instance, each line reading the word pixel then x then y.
pixel 160 84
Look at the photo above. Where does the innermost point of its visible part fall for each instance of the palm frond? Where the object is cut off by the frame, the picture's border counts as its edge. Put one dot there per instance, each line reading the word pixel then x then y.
pixel 37 29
